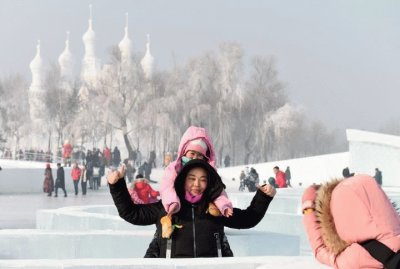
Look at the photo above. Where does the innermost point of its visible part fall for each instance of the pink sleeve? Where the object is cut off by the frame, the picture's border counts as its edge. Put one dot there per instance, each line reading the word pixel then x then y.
pixel 135 198
pixel 167 190
pixel 354 256
pixel 314 237
pixel 222 202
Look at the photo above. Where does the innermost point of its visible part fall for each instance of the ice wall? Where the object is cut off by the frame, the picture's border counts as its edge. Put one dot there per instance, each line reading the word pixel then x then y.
pixel 28 180
pixel 370 150
pixel 40 244
pixel 209 263
pixel 78 232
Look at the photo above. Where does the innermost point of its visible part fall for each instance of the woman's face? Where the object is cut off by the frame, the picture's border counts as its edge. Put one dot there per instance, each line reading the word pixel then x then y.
pixel 196 181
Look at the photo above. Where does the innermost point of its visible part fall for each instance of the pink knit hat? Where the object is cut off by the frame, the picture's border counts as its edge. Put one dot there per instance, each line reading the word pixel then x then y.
pixel 197 145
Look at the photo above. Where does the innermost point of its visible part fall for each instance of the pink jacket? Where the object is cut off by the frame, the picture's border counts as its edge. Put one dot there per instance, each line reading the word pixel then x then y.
pixel 351 211
pixel 167 190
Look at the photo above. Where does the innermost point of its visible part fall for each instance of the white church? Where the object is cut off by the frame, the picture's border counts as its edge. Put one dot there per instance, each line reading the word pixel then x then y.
pixel 90 74
pixel 91 69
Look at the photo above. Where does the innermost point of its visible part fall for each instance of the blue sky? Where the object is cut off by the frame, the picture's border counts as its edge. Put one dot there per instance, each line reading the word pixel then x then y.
pixel 339 59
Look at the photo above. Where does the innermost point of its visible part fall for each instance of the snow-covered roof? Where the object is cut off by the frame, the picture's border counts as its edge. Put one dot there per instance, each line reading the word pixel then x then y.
pixel 90 35
pixel 125 44
pixel 148 61
pixel 37 62
pixel 371 137
pixel 65 59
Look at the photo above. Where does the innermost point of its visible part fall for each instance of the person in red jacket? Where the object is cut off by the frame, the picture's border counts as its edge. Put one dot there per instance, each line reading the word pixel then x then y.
pixel 141 191
pixel 76 175
pixel 279 178
pixel 107 155
pixel 67 153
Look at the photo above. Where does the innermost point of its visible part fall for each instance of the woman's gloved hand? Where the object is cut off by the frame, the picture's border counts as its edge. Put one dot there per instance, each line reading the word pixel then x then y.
pixel 268 190
pixel 114 176
pixel 309 196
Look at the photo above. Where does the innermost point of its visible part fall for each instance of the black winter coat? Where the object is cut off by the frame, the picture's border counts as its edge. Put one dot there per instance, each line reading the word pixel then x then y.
pixel 60 181
pixel 153 251
pixel 197 237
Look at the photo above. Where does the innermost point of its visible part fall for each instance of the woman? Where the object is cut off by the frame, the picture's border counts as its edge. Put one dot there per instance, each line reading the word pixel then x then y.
pixel 48 183
pixel 344 218
pixel 76 176
pixel 198 233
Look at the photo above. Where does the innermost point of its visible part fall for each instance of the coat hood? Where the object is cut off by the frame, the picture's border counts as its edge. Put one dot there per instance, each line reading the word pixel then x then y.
pixel 354 210
pixel 214 185
pixel 324 215
pixel 193 133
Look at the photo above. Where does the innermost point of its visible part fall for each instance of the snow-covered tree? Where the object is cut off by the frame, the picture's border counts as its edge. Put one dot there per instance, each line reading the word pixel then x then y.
pixel 285 124
pixel 228 96
pixel 14 107
pixel 61 105
pixel 121 96
pixel 247 112
pixel 264 94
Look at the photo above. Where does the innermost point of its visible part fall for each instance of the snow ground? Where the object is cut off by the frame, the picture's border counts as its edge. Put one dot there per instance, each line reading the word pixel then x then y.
pixel 264 262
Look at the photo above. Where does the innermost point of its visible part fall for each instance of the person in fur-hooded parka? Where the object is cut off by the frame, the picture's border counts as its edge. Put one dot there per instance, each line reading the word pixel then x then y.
pixel 342 214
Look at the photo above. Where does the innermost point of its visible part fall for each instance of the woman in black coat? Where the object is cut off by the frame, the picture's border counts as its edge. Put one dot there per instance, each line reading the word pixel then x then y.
pixel 197 233
pixel 60 180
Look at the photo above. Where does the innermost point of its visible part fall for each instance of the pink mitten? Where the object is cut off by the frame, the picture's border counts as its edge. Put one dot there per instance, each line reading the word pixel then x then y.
pixel 309 195
pixel 172 209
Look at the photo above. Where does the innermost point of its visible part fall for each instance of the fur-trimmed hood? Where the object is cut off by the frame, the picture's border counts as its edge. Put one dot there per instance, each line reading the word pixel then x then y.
pixel 354 210
pixel 323 208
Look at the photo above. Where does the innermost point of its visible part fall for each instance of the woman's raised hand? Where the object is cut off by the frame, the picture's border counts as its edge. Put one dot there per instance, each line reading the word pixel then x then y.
pixel 309 196
pixel 114 176
pixel 268 190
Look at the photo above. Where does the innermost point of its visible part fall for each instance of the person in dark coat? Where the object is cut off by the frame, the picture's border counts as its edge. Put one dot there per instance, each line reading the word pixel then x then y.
pixel 378 176
pixel 116 156
pixel 147 170
pixel 152 159
pixel 346 173
pixel 89 173
pixel 60 180
pixel 288 176
pixel 227 161
pixel 271 181
pixel 130 170
pixel 201 231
